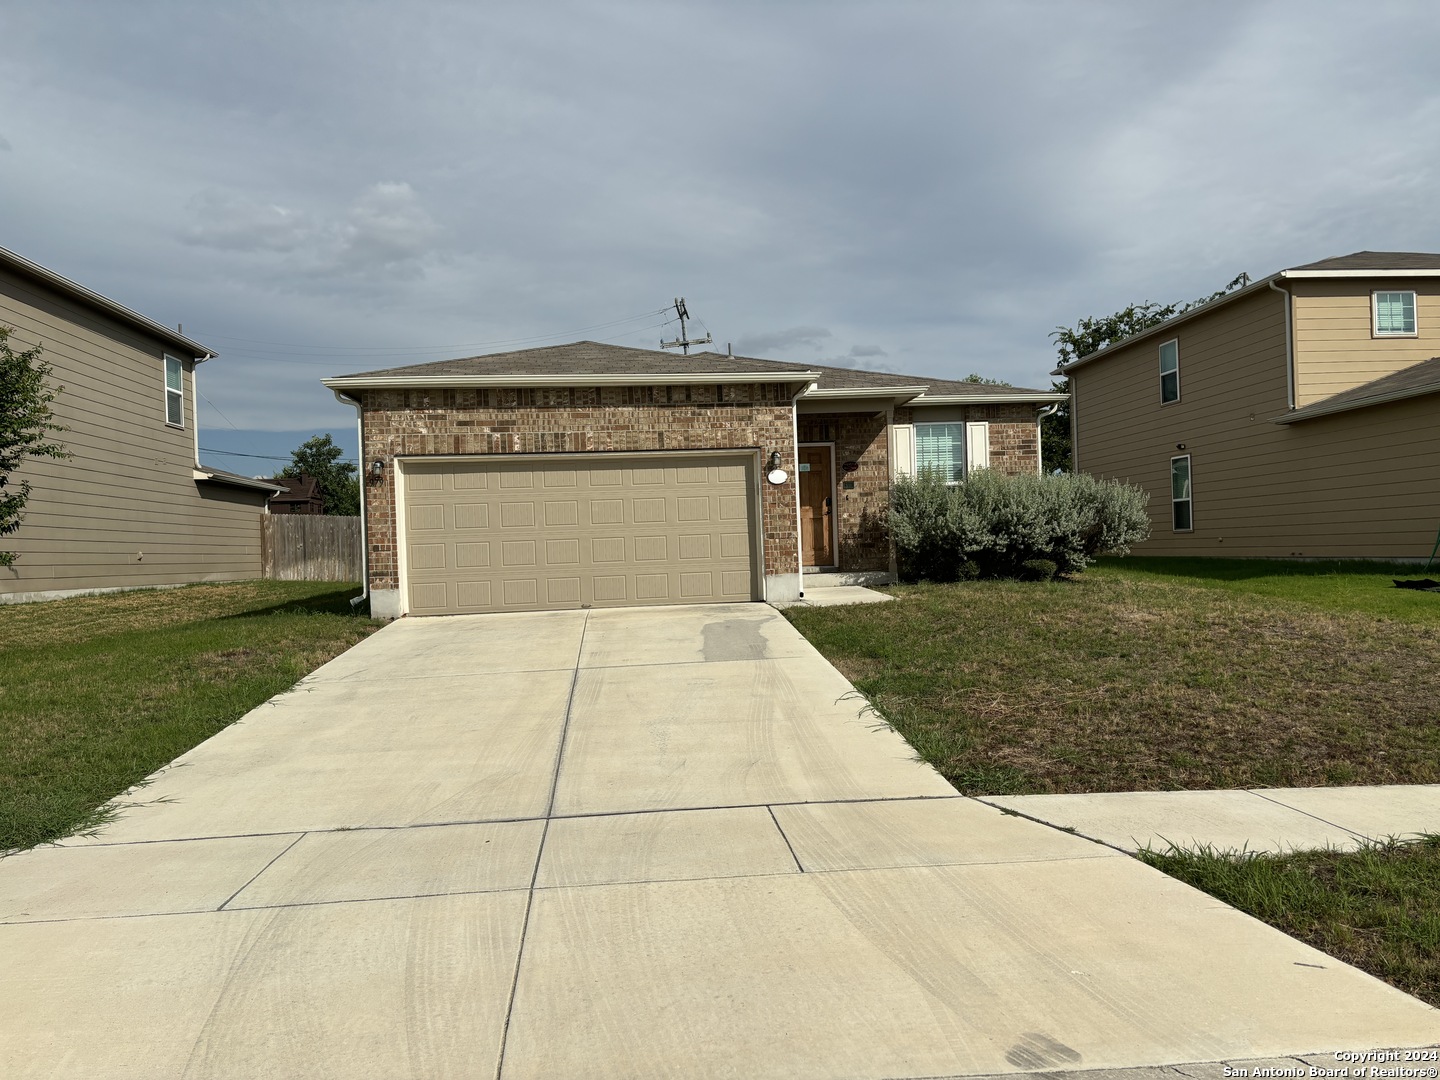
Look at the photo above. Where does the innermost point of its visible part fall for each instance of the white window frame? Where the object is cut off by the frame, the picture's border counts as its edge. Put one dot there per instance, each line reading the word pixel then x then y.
pixel 1375 330
pixel 179 394
pixel 1190 501
pixel 1161 356
pixel 964 470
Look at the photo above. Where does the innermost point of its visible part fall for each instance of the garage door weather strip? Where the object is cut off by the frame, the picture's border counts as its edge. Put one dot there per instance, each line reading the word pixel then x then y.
pixel 540 852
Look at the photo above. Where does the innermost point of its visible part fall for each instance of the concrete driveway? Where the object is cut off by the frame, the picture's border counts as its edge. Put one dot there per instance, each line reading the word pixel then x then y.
pixel 665 842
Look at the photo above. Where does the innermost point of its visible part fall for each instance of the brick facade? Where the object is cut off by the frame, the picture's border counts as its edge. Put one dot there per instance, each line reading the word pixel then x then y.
pixel 404 423
pixel 1014 434
pixel 863 512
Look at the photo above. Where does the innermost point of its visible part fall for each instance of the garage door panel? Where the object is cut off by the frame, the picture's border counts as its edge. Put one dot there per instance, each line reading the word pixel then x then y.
pixel 562 513
pixel 498 535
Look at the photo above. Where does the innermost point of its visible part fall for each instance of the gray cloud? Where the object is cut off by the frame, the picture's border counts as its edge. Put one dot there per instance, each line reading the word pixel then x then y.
pixel 370 184
pixel 783 341
pixel 384 226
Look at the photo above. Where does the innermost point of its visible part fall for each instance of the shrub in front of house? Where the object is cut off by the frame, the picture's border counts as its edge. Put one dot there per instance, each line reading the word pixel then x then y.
pixel 997 526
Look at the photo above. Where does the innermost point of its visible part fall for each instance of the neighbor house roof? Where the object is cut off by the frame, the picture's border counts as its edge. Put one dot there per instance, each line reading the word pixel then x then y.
pixel 1413 381
pixel 220 476
pixel 1377 260
pixel 22 266
pixel 589 363
pixel 1359 264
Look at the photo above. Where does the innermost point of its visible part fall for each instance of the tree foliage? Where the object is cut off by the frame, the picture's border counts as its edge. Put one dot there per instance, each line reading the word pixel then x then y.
pixel 339 483
pixel 1090 335
pixel 26 426
pixel 981 380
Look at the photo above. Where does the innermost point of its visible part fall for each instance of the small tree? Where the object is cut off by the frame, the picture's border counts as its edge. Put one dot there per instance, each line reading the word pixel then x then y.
pixel 339 483
pixel 25 427
pixel 982 380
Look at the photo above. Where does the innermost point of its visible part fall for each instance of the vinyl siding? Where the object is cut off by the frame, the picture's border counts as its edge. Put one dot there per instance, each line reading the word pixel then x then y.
pixel 1335 347
pixel 1359 484
pixel 123 510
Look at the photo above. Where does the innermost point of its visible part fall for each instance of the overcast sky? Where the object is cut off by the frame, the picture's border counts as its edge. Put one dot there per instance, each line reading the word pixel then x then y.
pixel 931 188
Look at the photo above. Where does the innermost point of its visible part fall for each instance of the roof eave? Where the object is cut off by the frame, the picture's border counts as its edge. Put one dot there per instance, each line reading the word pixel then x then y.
pixel 235 481
pixel 437 382
pixel 1359 273
pixel 1167 325
pixel 111 307
pixel 1319 409
pixel 897 394
pixel 1047 398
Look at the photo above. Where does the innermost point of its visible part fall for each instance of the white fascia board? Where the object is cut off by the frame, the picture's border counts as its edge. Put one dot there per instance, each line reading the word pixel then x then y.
pixel 1047 398
pixel 236 481
pixel 684 378
pixel 1357 273
pixel 113 308
pixel 867 391
pixel 1311 412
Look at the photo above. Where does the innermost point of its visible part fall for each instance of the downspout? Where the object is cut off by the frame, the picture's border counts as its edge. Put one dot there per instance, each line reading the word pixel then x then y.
pixel 1040 415
pixel 364 533
pixel 795 477
pixel 195 401
pixel 1289 348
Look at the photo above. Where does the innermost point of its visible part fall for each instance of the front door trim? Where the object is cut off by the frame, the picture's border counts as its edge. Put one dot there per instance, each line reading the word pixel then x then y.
pixel 834 510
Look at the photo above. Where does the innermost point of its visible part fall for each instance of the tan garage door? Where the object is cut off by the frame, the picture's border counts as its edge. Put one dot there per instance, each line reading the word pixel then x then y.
pixel 602 531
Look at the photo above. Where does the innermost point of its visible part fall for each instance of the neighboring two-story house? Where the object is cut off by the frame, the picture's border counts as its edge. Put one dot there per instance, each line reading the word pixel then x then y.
pixel 130 506
pixel 1296 417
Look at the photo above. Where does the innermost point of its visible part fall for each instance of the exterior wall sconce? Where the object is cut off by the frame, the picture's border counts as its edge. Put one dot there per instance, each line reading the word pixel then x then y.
pixel 775 474
pixel 377 469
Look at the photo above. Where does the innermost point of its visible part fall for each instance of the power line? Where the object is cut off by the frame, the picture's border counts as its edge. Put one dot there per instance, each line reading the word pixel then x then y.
pixel 267 457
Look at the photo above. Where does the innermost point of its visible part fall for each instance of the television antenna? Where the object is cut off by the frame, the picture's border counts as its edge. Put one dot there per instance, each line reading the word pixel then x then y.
pixel 683 342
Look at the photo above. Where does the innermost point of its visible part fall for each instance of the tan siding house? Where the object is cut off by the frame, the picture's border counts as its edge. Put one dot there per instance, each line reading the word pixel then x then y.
pixel 592 475
pixel 130 506
pixel 1300 418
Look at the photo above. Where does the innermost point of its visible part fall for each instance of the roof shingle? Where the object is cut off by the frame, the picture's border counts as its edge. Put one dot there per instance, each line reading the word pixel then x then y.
pixel 583 358
pixel 1377 260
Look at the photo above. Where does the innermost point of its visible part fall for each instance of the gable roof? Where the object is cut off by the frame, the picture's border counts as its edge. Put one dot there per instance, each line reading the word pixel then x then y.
pixel 1377 260
pixel 1413 381
pixel 1359 264
pixel 22 266
pixel 595 363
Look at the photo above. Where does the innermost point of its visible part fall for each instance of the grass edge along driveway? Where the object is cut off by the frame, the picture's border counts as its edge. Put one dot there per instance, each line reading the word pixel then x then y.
pixel 101 691
pixel 1139 675
pixel 1377 908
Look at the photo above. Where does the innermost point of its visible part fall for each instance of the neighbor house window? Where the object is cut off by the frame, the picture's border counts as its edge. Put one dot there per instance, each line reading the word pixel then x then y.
pixel 941 447
pixel 1394 314
pixel 1169 372
pixel 1180 501
pixel 174 392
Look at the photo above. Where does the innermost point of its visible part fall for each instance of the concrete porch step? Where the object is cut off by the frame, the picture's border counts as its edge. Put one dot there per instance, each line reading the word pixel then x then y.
pixel 830 579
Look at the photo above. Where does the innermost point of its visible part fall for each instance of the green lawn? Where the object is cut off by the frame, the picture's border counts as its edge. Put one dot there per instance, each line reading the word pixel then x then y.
pixel 99 692
pixel 1362 587
pixel 1148 674
pixel 1378 908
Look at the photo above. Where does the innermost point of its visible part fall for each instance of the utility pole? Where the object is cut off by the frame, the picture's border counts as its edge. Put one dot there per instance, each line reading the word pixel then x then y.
pixel 683 342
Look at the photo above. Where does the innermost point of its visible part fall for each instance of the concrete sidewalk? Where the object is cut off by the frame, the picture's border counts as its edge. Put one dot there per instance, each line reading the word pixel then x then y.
pixel 663 842
pixel 1259 819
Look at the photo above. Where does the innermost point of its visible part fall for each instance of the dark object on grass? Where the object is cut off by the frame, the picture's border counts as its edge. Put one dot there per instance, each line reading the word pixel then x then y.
pixel 1423 583
pixel 1037 570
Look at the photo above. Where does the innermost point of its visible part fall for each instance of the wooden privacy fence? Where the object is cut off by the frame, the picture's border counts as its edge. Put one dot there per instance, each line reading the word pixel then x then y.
pixel 305 547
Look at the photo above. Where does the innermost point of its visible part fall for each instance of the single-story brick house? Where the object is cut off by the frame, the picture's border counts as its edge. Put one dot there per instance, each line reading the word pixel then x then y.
pixel 595 475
